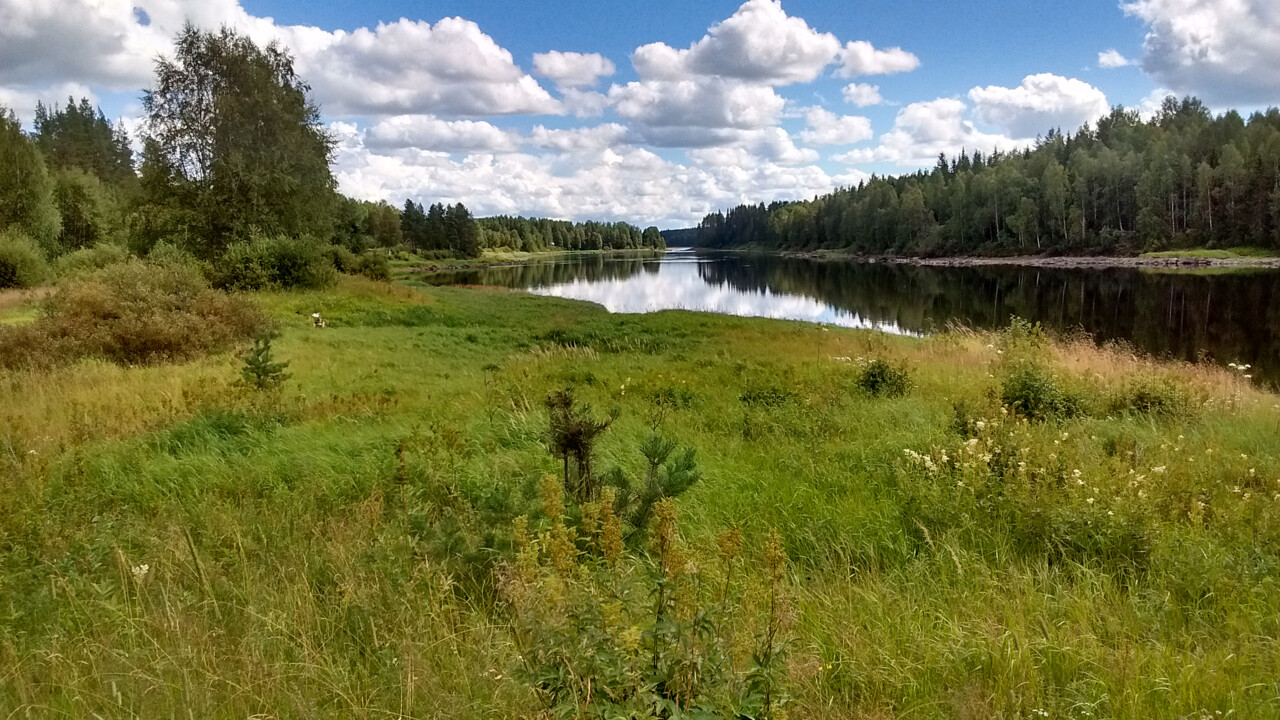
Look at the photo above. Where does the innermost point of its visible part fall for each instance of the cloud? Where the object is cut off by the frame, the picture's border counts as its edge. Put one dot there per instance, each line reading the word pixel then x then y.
pixel 593 174
pixel 23 102
pixel 827 128
pixel 1224 51
pixel 859 57
pixel 760 43
pixel 862 94
pixel 1109 59
pixel 424 132
pixel 579 139
pixel 405 67
pixel 696 113
pixel 1041 103
pixel 451 69
pixel 922 131
pixel 571 69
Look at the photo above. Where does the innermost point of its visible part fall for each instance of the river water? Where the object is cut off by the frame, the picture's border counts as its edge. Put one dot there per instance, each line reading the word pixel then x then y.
pixel 1212 316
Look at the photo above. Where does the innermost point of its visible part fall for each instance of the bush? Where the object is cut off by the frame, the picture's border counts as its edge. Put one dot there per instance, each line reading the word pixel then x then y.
pixel 880 378
pixel 132 313
pixel 22 263
pixel 372 264
pixel 90 259
pixel 1030 390
pixel 273 263
pixel 1154 396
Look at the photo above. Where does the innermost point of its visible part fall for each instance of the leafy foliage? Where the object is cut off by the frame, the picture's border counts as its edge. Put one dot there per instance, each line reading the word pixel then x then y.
pixel 880 378
pixel 22 262
pixel 26 187
pixel 606 635
pixel 132 313
pixel 1124 185
pixel 279 262
pixel 232 145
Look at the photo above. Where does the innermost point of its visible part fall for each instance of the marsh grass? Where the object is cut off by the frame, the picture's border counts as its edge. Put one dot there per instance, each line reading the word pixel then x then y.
pixel 172 547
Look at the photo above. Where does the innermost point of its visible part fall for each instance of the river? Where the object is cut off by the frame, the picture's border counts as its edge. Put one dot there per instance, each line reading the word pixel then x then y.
pixel 1215 315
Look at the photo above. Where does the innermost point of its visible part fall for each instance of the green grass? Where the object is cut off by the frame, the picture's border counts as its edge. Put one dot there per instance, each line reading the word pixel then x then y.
pixel 290 574
pixel 1235 253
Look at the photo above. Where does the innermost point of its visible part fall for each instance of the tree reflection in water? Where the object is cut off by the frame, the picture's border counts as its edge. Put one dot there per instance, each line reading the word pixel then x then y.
pixel 1224 317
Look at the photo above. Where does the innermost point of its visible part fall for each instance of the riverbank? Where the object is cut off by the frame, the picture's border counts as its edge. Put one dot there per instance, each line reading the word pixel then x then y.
pixel 173 544
pixel 494 259
pixel 1192 259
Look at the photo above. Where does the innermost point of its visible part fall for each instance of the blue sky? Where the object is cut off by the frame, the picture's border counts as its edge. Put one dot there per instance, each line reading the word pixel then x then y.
pixel 659 111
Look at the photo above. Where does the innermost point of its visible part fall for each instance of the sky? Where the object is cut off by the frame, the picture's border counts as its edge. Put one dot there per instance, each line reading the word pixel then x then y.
pixel 656 112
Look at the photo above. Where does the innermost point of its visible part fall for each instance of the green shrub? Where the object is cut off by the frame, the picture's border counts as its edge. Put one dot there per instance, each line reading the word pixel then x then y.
pixel 273 262
pixel 1031 390
pixel 1153 396
pixel 343 259
pixel 132 313
pixel 22 263
pixel 163 252
pixel 880 378
pixel 374 265
pixel 90 259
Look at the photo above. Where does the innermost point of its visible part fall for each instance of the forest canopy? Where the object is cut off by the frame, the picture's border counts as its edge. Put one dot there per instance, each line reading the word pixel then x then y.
pixel 1125 185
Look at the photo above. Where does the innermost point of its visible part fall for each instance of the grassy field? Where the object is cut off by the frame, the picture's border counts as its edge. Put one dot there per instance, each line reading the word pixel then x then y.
pixel 1236 253
pixel 172 545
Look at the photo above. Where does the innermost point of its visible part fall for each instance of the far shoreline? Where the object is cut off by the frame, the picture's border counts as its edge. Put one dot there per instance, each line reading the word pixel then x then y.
pixel 1067 262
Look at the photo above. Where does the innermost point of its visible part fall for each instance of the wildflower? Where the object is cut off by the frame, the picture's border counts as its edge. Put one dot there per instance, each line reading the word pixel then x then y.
pixel 1158 470
pixel 140 572
pixel 611 528
pixel 1090 501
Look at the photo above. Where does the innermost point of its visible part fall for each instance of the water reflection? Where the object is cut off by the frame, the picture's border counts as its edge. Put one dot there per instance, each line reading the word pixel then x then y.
pixel 1232 317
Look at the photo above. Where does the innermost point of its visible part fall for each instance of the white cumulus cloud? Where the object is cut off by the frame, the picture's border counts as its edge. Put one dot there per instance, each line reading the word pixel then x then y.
pixel 1109 59
pixel 1224 51
pixel 922 131
pixel 860 57
pixel 759 43
pixel 696 113
pixel 1041 103
pixel 571 69
pixel 862 94
pixel 827 128
pixel 424 132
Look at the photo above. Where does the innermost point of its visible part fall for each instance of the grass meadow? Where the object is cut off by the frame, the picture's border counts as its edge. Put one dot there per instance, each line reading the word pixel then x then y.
pixel 1025 528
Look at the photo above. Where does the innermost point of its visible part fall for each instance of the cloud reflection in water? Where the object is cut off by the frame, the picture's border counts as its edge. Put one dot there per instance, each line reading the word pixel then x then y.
pixel 677 284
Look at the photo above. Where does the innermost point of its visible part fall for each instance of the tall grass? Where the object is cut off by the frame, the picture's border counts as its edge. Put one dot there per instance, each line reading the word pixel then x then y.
pixel 172 545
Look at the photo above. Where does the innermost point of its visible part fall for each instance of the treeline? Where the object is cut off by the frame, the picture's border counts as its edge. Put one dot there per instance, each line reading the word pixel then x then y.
pixel 540 235
pixel 235 172
pixel 1185 178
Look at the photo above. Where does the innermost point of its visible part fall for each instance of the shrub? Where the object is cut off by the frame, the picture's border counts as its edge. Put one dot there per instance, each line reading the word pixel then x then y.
pixel 374 265
pixel 22 263
pixel 602 633
pixel 1030 390
pixel 880 378
pixel 273 262
pixel 132 313
pixel 1154 396
pixel 90 259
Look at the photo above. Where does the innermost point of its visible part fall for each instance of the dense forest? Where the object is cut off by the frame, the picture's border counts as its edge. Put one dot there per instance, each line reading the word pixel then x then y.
pixel 235 172
pixel 1184 178
pixel 536 234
